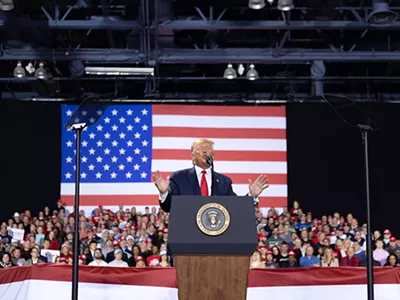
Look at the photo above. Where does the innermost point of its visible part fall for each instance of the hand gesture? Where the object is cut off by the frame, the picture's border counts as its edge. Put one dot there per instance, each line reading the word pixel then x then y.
pixel 258 186
pixel 161 183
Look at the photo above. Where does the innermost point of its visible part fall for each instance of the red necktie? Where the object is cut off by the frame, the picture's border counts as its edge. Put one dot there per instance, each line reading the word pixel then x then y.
pixel 203 184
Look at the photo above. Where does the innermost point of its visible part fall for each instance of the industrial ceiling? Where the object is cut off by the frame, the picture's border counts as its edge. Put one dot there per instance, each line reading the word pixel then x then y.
pixel 237 50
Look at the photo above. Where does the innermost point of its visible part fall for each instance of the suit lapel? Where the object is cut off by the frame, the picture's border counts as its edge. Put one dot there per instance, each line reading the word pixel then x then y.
pixel 194 182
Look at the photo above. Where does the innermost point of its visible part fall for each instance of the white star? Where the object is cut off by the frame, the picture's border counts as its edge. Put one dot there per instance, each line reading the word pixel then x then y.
pixel 84 144
pixel 99 143
pixel 121 167
pixel 69 144
pixel 99 128
pixel 122 135
pixel 137 135
pixel 114 143
pixel 145 143
pixel 129 127
pixel 68 159
pixel 144 159
pixel 144 127
pixel 99 112
pixel 83 175
pixel 75 136
pixel 122 151
pixel 84 112
pixel 114 127
pixel 129 112
pixel 84 159
pixel 114 112
pixel 128 175
pixel 107 120
pixel 114 159
pixel 137 120
pixel 98 175
pixel 113 175
pixel 91 167
pixel 137 151
pixel 76 120
pixel 129 159
pixel 85 129
pixel 143 175
pixel 69 113
pixel 136 167
pixel 74 168
pixel 92 151
pixel 68 175
pixel 107 151
pixel 99 159
pixel 92 120
pixel 122 120
pixel 92 135
pixel 107 135
pixel 129 143
pixel 106 167
pixel 144 112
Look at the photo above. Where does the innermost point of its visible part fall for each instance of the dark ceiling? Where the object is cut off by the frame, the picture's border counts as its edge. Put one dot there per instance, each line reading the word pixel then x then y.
pixel 190 43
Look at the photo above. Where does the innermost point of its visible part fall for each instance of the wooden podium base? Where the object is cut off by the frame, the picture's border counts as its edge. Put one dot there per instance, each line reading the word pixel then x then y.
pixel 212 277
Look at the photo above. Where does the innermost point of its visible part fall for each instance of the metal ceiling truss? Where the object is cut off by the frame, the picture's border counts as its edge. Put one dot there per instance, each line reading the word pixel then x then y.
pixel 152 29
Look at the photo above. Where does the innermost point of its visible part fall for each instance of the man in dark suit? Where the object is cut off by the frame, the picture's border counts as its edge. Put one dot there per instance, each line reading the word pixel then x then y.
pixel 201 179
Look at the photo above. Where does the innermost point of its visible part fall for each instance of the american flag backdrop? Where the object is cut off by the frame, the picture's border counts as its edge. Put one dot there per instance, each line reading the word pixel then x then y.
pixel 120 151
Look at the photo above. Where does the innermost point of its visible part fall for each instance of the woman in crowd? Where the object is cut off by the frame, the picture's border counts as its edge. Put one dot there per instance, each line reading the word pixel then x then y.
pixel 329 259
pixel 392 261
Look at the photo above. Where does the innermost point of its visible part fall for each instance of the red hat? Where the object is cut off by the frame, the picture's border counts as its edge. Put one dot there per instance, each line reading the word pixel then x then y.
pixel 261 235
pixel 387 231
pixel 346 224
pixel 165 230
pixel 115 243
pixel 392 239
pixel 269 252
pixel 149 241
pixel 122 238
pixel 319 222
pixel 291 253
pixel 94 228
pixel 82 257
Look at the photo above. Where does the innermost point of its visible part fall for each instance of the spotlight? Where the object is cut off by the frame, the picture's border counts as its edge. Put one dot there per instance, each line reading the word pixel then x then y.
pixel 381 14
pixel 285 5
pixel 252 73
pixel 19 70
pixel 6 5
pixel 41 72
pixel 256 4
pixel 230 72
pixel 30 68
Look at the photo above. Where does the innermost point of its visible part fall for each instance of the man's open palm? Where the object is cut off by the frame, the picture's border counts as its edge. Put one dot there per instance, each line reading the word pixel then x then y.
pixel 258 186
pixel 161 183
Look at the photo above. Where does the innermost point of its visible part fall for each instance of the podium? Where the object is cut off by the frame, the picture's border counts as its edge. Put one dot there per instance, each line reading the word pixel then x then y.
pixel 212 240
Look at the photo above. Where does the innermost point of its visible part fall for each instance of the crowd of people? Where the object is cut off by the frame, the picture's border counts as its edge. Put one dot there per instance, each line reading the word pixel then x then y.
pixel 127 238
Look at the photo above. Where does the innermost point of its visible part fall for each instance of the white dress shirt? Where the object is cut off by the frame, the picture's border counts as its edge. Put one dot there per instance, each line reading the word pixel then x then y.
pixel 209 183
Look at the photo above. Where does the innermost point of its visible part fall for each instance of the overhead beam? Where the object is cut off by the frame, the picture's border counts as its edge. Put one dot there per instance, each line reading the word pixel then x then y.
pixel 101 23
pixel 207 56
pixel 259 55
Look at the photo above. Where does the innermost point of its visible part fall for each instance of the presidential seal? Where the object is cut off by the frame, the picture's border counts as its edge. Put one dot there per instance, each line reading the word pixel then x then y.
pixel 213 219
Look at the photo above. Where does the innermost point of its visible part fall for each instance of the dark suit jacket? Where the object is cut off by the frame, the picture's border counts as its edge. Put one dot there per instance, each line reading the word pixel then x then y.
pixel 185 182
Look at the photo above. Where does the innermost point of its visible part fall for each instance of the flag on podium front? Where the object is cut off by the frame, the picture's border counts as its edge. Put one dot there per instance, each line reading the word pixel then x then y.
pixel 129 142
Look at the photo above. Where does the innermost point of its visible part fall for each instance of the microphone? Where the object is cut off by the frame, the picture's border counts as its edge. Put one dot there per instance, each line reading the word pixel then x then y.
pixel 209 160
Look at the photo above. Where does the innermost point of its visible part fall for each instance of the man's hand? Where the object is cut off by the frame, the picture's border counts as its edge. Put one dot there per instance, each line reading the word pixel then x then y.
pixel 161 183
pixel 258 186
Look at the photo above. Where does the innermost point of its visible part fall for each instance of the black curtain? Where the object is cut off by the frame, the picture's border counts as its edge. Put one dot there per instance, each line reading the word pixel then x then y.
pixel 325 160
pixel 29 156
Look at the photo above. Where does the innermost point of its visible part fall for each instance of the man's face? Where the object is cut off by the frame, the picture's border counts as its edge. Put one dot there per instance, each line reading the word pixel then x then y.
pixel 17 253
pixel 310 251
pixel 350 252
pixel 97 254
pixel 35 253
pixel 200 152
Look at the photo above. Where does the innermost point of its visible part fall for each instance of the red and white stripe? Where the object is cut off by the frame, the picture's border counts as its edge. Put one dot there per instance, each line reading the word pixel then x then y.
pixel 49 282
pixel 249 141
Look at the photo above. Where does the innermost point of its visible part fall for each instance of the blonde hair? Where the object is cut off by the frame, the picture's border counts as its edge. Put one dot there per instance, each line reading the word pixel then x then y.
pixel 201 141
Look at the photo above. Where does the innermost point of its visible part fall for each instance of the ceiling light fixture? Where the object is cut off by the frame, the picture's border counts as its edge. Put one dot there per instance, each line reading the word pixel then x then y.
pixel 256 4
pixel 285 5
pixel 118 71
pixel 230 72
pixel 19 71
pixel 252 73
